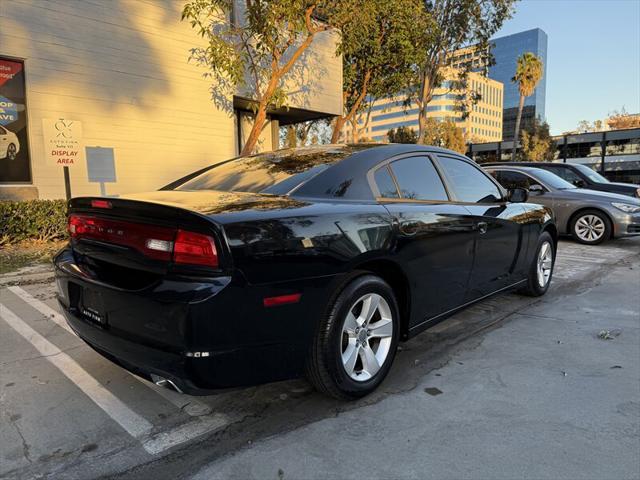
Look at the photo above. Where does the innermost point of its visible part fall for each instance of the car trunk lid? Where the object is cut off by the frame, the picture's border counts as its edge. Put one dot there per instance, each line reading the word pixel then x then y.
pixel 131 243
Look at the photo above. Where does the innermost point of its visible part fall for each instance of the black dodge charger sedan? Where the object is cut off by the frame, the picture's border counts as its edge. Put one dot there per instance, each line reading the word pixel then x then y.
pixel 315 260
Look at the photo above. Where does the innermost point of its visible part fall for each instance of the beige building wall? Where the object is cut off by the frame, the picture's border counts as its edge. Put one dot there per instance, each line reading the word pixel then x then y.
pixel 483 124
pixel 315 84
pixel 121 68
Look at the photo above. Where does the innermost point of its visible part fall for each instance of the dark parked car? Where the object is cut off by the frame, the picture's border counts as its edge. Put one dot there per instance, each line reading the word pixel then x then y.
pixel 591 217
pixel 315 260
pixel 579 175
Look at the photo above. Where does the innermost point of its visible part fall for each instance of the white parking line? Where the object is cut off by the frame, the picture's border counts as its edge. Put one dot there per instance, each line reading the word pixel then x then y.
pixel 190 405
pixel 42 307
pixel 164 440
pixel 130 421
pixel 135 425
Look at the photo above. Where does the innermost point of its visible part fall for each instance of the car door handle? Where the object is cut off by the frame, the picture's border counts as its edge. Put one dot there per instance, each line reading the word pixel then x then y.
pixel 482 227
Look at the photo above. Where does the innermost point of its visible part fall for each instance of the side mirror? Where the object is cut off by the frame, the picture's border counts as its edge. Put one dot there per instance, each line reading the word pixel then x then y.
pixel 518 195
pixel 579 183
pixel 536 189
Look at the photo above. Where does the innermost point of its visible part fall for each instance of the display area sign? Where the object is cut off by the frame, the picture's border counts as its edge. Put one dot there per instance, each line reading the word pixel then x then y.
pixel 15 165
pixel 62 141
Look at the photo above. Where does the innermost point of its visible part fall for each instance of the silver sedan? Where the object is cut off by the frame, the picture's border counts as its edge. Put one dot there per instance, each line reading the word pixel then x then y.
pixel 589 216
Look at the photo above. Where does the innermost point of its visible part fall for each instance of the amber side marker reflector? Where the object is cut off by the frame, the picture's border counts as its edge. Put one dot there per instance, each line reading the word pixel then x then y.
pixel 101 204
pixel 281 300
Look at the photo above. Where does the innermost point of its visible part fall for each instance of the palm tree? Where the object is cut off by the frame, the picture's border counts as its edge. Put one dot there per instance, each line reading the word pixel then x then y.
pixel 529 71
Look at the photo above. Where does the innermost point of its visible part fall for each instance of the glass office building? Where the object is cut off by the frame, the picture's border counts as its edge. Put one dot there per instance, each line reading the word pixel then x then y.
pixel 506 51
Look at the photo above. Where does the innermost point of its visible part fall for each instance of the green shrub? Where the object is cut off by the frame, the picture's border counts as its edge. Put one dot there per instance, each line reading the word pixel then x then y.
pixel 32 220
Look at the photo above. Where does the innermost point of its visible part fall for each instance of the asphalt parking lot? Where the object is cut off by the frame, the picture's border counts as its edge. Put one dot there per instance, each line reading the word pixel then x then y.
pixel 511 387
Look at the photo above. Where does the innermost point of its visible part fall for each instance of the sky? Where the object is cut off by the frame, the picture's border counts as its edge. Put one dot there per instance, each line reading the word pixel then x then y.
pixel 593 56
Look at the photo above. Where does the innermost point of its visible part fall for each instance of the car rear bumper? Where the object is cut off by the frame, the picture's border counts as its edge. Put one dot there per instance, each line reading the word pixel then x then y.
pixel 201 335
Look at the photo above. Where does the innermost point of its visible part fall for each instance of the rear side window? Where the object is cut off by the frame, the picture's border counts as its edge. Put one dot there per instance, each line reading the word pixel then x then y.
pixel 564 173
pixel 418 179
pixel 468 182
pixel 385 183
pixel 511 180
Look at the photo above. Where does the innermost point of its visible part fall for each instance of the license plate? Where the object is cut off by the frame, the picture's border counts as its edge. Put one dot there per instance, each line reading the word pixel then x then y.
pixel 91 307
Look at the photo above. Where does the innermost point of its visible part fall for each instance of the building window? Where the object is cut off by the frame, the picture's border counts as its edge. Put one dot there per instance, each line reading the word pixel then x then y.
pixel 399 113
pixel 389 126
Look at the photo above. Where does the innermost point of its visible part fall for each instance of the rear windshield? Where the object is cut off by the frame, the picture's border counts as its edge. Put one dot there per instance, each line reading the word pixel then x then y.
pixel 275 173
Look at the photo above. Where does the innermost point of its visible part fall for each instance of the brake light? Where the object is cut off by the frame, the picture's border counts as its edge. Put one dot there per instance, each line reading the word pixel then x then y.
pixel 101 204
pixel 159 243
pixel 194 249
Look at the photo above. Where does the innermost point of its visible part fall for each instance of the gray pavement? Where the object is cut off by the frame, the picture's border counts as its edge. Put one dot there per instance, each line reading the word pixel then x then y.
pixel 512 387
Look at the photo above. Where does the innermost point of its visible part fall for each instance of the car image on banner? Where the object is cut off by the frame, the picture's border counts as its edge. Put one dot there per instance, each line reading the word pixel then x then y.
pixel 9 144
pixel 14 146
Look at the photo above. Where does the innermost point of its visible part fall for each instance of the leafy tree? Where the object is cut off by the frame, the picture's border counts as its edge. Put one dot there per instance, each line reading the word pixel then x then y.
pixel 304 133
pixel 620 119
pixel 444 134
pixel 537 144
pixel 253 53
pixel 378 50
pixel 402 135
pixel 288 137
pixel 584 126
pixel 529 71
pixel 456 24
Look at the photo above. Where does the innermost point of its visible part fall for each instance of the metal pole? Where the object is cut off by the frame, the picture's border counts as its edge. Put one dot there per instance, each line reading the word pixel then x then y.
pixel 67 183
pixel 564 150
pixel 499 152
pixel 604 151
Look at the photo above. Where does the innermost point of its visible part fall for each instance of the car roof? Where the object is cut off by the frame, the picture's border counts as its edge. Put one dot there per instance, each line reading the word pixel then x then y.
pixel 528 164
pixel 354 168
pixel 516 168
pixel 349 169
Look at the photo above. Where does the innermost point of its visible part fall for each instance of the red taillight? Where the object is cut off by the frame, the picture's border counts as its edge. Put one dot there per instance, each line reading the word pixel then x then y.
pixel 128 234
pixel 101 204
pixel 194 249
pixel 159 243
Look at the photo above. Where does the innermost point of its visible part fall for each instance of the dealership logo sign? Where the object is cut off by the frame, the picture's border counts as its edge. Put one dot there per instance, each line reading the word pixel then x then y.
pixel 62 141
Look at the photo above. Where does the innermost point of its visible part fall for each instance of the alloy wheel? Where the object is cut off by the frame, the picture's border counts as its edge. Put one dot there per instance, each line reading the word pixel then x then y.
pixel 590 228
pixel 545 264
pixel 367 333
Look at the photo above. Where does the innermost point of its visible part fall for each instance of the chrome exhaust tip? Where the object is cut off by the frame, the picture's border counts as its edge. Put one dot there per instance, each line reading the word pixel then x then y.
pixel 165 382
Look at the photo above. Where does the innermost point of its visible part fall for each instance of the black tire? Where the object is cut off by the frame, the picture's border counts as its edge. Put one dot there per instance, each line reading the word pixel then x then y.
pixel 581 219
pixel 324 368
pixel 533 287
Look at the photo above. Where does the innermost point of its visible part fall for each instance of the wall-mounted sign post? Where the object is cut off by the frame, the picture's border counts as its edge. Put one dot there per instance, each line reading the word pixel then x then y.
pixel 63 145
pixel 101 166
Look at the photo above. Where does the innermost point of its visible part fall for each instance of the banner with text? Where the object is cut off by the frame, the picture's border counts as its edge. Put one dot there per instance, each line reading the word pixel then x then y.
pixel 15 165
